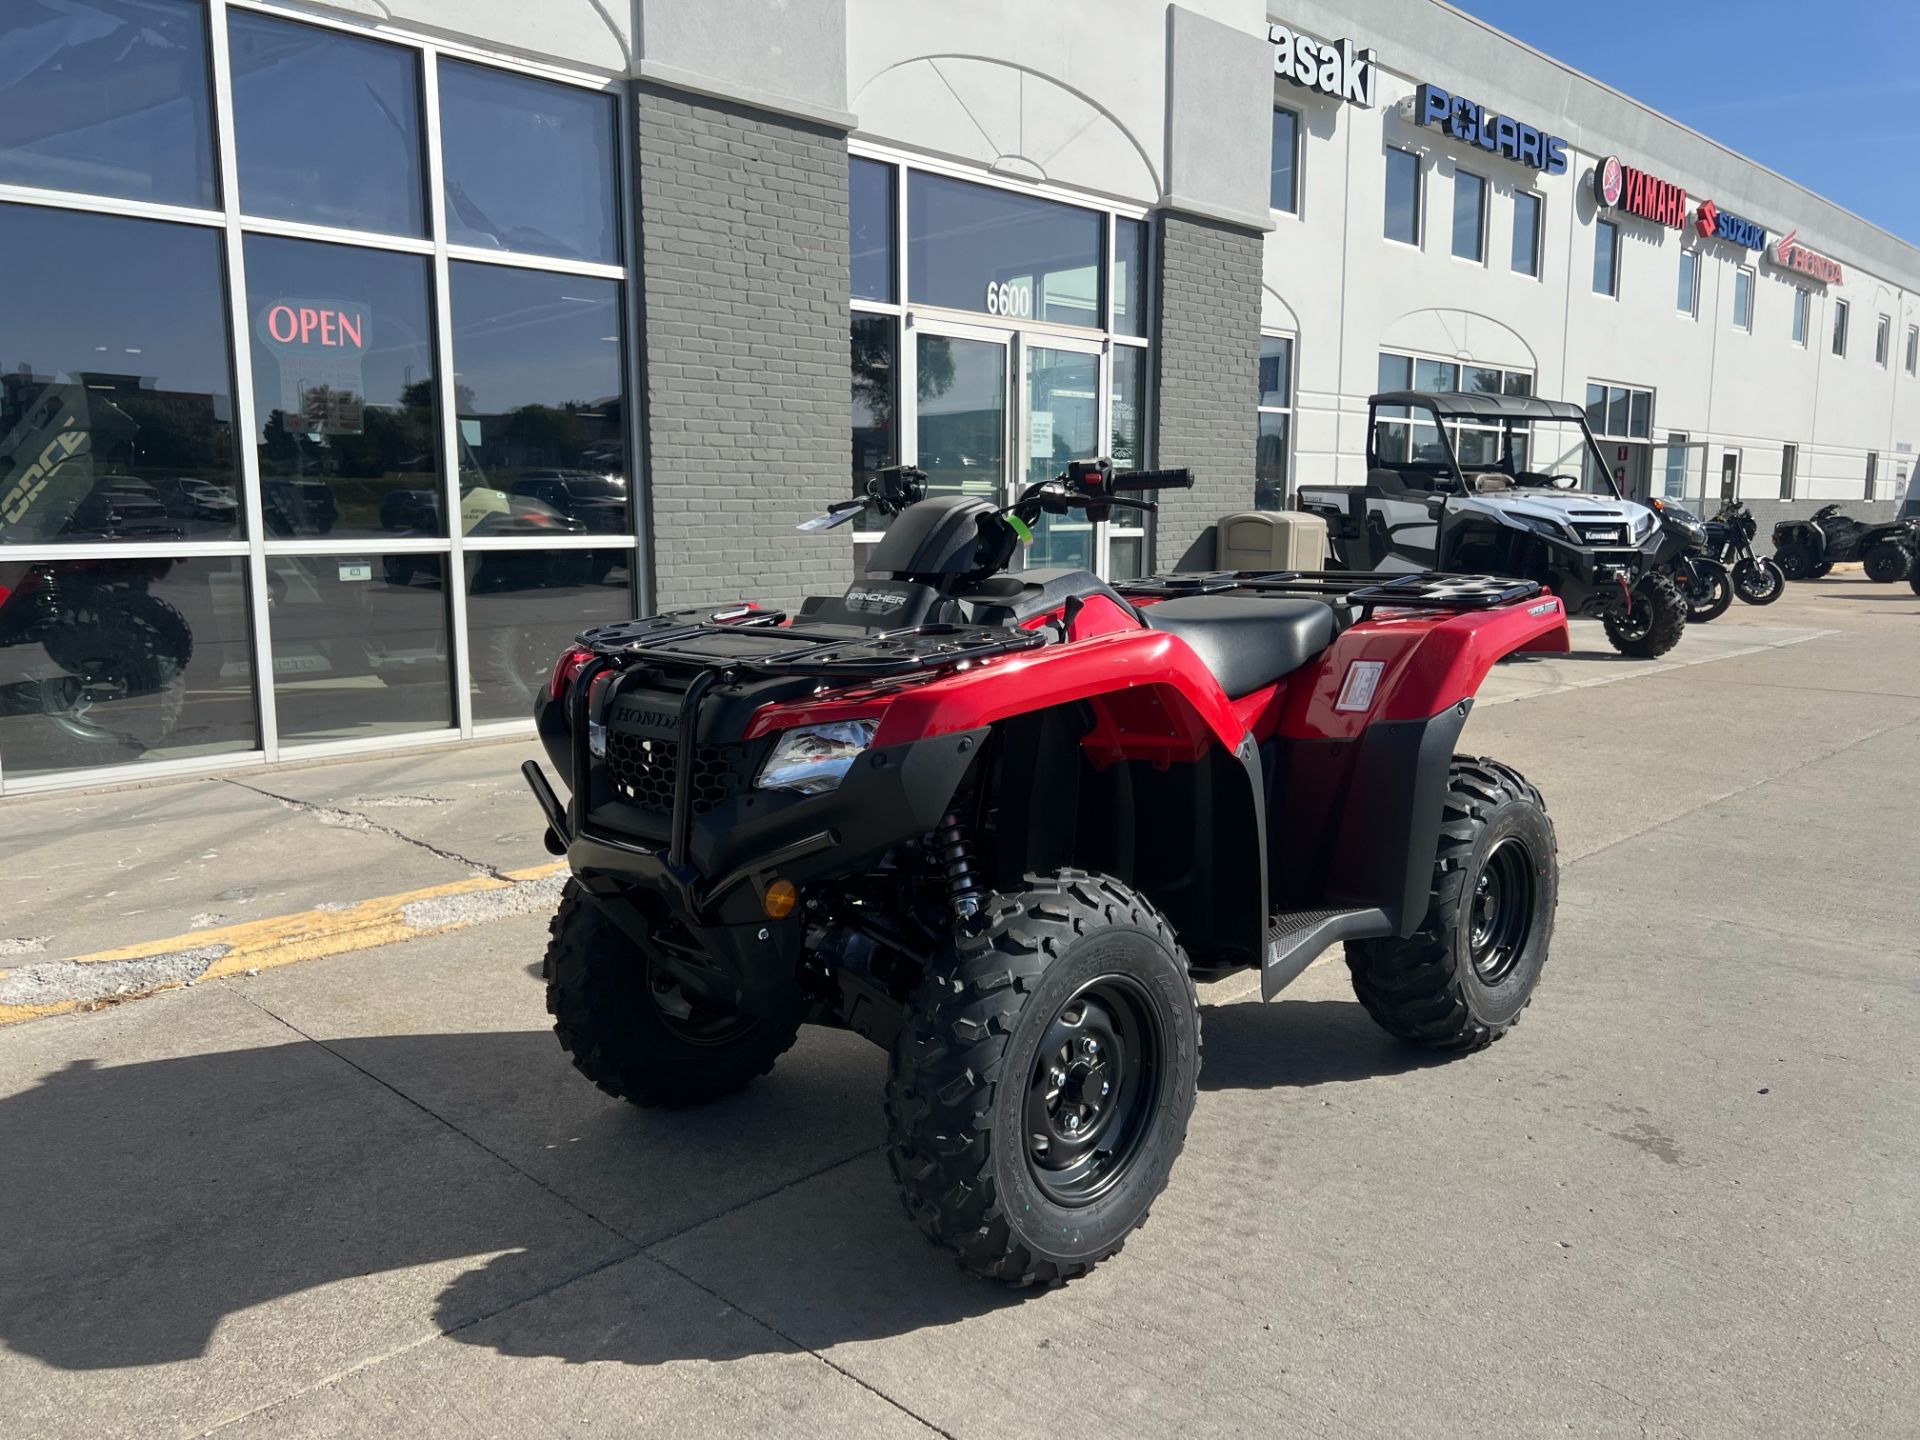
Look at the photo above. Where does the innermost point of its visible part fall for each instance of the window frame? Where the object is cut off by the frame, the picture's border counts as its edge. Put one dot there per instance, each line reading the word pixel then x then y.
pixel 1883 341
pixel 1842 325
pixel 1690 262
pixel 1746 273
pixel 1539 228
pixel 1287 409
pixel 1418 242
pixel 228 220
pixel 1802 316
pixel 1415 358
pixel 1609 228
pixel 1479 258
pixel 1294 171
pixel 1789 469
pixel 1873 473
pixel 1913 350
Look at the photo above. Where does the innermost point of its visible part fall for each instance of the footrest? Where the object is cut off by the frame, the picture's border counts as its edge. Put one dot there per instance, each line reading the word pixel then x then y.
pixel 1296 938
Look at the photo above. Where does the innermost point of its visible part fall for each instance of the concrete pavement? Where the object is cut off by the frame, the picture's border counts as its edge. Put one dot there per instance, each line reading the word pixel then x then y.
pixel 365 1196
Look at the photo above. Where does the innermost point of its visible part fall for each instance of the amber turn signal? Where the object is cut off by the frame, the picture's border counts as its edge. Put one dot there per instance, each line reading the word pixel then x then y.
pixel 780 899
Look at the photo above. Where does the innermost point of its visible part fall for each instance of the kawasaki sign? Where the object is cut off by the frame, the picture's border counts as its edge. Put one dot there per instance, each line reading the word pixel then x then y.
pixel 1335 69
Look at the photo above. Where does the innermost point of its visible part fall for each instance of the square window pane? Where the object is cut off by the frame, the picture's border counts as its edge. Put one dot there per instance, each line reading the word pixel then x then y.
pixel 973 247
pixel 1526 233
pixel 1396 374
pixel 870 212
pixel 1270 462
pixel 1476 449
pixel 120 339
pixel 1276 370
pixel 1130 277
pixel 1403 197
pixel 1597 409
pixel 523 609
pixel 1518 382
pixel 1482 379
pixel 876 369
pixel 1436 375
pixel 538 385
pixel 1469 204
pixel 1640 422
pixel 129 661
pixel 109 97
pixel 1127 444
pixel 342 389
pixel 359 645
pixel 1428 443
pixel 1391 442
pixel 1282 191
pixel 327 126
pixel 1606 254
pixel 529 164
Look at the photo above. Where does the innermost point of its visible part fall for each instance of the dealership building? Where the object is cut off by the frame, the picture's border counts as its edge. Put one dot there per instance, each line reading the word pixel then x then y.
pixel 355 355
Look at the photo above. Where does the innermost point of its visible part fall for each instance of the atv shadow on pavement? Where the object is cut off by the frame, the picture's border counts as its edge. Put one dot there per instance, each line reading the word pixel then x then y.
pixel 153 1205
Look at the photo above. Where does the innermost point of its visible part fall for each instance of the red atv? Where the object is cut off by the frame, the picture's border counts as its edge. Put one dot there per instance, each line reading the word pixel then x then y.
pixel 999 822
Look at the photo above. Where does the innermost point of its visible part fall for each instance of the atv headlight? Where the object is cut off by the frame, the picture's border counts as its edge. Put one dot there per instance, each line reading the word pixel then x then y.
pixel 1643 527
pixel 1545 526
pixel 812 759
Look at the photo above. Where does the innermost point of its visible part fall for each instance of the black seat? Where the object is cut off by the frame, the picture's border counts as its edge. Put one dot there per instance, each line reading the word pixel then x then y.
pixel 1245 641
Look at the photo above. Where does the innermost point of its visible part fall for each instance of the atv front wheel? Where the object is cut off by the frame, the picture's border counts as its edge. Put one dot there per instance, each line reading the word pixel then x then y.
pixel 1887 564
pixel 1653 624
pixel 1821 570
pixel 1796 562
pixel 635 1031
pixel 1758 582
pixel 1041 1088
pixel 1462 980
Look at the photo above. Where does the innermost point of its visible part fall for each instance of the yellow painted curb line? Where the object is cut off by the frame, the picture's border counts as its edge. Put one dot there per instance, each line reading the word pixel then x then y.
pixel 285 939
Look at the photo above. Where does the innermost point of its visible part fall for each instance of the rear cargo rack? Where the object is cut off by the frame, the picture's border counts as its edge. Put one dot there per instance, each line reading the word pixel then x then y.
pixel 759 644
pixel 1363 589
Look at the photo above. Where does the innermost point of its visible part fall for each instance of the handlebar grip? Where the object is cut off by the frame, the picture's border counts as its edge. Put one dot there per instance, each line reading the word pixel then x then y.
pixel 1153 480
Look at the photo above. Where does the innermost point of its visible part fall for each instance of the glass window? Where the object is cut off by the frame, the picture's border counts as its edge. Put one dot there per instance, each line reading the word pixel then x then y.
pixel 1675 484
pixel 1789 461
pixel 1619 402
pixel 1128 441
pixel 1526 233
pixel 1913 348
pixel 124 661
pixel 1743 300
pixel 1597 409
pixel 1435 375
pixel 961 414
pixel 524 607
pixel 1640 416
pixel 1130 277
pixel 1391 439
pixel 1873 471
pixel 538 384
pixel 1687 301
pixel 1840 327
pixel 359 644
pixel 342 389
pixel 116 409
pixel 1469 216
pixel 327 125
pixel 1283 189
pixel 1396 372
pixel 1482 379
pixel 972 247
pixel 1606 257
pixel 1276 370
pixel 1882 339
pixel 109 97
pixel 1518 383
pixel 529 164
pixel 870 211
pixel 1403 197
pixel 1270 461
pixel 1800 308
pixel 876 440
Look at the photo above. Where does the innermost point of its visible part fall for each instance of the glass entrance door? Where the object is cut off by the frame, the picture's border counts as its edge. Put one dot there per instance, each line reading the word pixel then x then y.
pixel 1059 423
pixel 960 411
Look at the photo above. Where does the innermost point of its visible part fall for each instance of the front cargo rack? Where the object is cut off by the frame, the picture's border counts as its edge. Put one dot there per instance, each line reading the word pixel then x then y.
pixel 758 643
pixel 1363 589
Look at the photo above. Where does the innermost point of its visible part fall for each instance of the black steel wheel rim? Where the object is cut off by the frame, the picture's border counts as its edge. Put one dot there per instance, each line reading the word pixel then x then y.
pixel 690 1017
pixel 1637 619
pixel 1094 1090
pixel 1502 915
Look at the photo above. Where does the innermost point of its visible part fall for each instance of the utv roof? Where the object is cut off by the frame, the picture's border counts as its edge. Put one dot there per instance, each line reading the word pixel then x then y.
pixel 1471 405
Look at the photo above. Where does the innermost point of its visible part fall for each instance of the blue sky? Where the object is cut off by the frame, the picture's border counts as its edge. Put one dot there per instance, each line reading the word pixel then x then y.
pixel 1826 93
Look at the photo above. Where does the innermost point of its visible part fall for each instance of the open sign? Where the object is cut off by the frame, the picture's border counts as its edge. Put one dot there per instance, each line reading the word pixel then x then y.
pixel 319 346
pixel 330 325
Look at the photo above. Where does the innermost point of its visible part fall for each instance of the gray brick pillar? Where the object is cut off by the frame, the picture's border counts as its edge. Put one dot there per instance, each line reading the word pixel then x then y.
pixel 743 331
pixel 1207 358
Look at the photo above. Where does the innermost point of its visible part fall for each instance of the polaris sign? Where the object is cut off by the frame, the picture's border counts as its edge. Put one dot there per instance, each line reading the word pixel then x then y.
pixel 1496 134
pixel 1333 69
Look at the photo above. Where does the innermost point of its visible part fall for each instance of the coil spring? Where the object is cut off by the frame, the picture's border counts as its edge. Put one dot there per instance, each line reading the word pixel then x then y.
pixel 950 848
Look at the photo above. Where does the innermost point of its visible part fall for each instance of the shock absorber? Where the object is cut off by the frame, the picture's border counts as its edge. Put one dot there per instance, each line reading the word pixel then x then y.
pixel 950 848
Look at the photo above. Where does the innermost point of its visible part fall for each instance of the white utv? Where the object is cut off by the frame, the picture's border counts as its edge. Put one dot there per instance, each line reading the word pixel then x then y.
pixel 1504 485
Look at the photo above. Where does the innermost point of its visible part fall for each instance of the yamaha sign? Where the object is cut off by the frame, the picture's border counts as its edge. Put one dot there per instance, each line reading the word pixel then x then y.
pixel 1332 68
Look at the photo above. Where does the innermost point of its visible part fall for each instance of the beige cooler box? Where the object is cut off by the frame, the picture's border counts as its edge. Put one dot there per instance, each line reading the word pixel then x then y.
pixel 1271 540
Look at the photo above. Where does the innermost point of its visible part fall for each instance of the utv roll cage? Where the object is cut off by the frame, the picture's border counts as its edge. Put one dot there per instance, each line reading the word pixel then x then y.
pixel 1509 412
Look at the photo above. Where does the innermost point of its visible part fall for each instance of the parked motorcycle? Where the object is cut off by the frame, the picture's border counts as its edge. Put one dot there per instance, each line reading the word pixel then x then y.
pixel 1808 549
pixel 1757 580
pixel 1684 557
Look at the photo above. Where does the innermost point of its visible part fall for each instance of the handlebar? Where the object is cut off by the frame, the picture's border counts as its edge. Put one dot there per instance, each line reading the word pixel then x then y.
pixel 1153 480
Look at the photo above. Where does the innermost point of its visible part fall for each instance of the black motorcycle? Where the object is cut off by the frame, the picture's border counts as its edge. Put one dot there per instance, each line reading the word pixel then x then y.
pixel 1756 579
pixel 1684 557
pixel 1808 549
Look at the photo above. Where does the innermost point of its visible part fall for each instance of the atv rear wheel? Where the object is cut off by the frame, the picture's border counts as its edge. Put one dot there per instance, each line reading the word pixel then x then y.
pixel 1796 562
pixel 1654 623
pixel 1042 1086
pixel 634 1031
pixel 1887 563
pixel 1462 980
pixel 1821 569
pixel 1758 582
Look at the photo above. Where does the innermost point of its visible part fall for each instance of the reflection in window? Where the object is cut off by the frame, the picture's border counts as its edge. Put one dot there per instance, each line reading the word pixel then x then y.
pixel 524 607
pixel 113 662
pixel 1130 277
pixel 342 387
pixel 1403 197
pixel 1282 184
pixel 327 125
pixel 1743 299
pixel 972 247
pixel 359 645
pixel 109 97
pixel 1469 216
pixel 1687 298
pixel 116 416
pixel 876 442
pixel 529 164
pixel 962 414
pixel 1127 444
pixel 1275 419
pixel 870 212
pixel 1800 310
pixel 1526 233
pixel 1606 258
pixel 537 382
